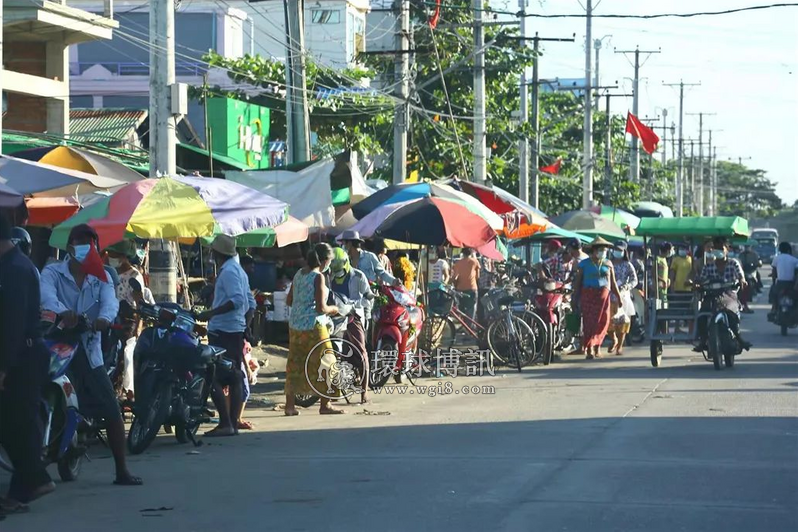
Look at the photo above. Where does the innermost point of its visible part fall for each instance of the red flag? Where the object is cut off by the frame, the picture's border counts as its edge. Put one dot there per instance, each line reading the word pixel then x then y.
pixel 93 265
pixel 433 21
pixel 638 129
pixel 553 168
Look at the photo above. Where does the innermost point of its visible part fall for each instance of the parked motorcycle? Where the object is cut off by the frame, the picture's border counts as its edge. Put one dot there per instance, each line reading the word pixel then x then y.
pixel 722 343
pixel 338 338
pixel 550 306
pixel 397 324
pixel 174 373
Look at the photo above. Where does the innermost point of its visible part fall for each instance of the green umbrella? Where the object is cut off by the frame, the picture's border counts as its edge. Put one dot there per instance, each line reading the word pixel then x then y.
pixel 590 223
pixel 620 217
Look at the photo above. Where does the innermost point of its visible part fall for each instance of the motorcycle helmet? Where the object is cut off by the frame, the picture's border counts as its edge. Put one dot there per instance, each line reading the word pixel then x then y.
pixel 340 266
pixel 21 238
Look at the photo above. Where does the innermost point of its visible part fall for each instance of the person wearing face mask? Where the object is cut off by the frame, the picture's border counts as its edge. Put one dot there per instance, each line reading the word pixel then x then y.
pixel 72 288
pixel 353 284
pixel 626 279
pixel 119 256
pixel 308 332
pixel 595 281
pixel 724 269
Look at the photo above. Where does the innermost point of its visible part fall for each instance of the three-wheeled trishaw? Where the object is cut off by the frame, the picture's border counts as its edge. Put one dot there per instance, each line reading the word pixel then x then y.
pixel 664 314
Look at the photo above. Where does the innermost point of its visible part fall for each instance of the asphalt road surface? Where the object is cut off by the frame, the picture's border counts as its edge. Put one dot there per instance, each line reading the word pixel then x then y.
pixel 605 445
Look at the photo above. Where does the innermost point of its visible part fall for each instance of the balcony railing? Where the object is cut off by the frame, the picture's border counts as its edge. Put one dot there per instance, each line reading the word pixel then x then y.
pixel 182 68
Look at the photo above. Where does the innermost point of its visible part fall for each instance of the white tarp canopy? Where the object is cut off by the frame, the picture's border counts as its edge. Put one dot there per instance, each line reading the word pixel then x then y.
pixel 307 191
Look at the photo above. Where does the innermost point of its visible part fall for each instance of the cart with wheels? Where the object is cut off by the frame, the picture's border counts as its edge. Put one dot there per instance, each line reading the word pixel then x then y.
pixel 674 319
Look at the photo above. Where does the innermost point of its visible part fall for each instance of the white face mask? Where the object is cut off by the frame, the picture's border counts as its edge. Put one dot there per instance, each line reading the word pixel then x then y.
pixel 617 254
pixel 602 254
pixel 114 263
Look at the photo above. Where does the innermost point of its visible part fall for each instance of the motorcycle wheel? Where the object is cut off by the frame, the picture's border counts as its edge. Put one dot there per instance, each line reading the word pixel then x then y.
pixel 728 359
pixel 145 427
pixel 714 346
pixel 784 330
pixel 305 400
pixel 70 464
pixel 380 372
pixel 656 353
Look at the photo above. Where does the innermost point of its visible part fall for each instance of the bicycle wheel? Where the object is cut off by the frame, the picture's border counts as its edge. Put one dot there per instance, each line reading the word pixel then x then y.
pixel 541 331
pixel 438 332
pixel 507 345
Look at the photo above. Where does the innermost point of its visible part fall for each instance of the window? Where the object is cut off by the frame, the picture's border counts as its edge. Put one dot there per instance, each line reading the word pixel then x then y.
pixel 326 16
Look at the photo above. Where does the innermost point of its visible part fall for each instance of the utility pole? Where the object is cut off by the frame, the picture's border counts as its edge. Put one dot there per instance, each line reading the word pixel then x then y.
pixel 673 140
pixel 665 137
pixel 597 44
pixel 607 200
pixel 402 110
pixel 680 170
pixel 710 188
pixel 480 134
pixel 524 142
pixel 634 159
pixel 297 116
pixel 693 194
pixel 163 268
pixel 587 159
pixel 714 178
pixel 701 181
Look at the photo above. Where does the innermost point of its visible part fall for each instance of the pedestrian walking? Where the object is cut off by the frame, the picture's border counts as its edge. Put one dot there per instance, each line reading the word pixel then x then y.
pixel 23 373
pixel 621 309
pixel 595 281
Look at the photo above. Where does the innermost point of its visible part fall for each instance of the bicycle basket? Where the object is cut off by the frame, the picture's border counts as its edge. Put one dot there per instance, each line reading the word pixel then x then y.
pixel 440 302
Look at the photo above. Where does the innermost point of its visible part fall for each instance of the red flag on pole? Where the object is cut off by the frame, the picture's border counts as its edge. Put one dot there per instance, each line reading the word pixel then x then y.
pixel 638 129
pixel 552 168
pixel 433 20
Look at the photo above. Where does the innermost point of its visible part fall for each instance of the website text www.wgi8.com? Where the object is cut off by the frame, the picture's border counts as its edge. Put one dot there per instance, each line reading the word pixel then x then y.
pixel 441 388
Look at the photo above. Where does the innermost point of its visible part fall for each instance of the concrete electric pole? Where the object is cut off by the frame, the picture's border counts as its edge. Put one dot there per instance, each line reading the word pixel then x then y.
pixel 402 80
pixel 607 200
pixel 634 154
pixel 297 116
pixel 680 170
pixel 523 150
pixel 587 157
pixel 163 126
pixel 480 130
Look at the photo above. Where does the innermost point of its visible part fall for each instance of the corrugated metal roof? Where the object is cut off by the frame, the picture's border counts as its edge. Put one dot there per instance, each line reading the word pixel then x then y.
pixel 104 125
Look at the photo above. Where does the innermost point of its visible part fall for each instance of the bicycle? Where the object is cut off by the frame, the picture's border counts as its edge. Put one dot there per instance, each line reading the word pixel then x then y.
pixel 511 340
pixel 439 330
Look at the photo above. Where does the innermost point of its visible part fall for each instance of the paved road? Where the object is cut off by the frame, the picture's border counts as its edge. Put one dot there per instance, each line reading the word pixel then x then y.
pixel 593 446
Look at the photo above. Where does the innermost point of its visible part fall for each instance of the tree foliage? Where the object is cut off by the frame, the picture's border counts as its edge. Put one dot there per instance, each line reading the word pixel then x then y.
pixel 746 192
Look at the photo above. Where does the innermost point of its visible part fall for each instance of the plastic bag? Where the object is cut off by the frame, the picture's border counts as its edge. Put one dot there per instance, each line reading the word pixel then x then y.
pixel 127 371
pixel 627 304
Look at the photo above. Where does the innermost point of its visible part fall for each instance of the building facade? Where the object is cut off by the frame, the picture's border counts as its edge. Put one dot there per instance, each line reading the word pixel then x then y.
pixel 37 35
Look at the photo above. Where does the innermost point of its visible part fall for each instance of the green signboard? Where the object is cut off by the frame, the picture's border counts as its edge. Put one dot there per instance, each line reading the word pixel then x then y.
pixel 240 131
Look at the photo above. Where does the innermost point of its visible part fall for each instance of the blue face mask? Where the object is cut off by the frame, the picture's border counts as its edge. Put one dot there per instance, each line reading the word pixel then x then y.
pixel 80 252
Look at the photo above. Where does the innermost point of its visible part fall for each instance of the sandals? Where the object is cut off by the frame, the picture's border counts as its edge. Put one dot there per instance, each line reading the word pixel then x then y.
pixel 11 507
pixel 129 480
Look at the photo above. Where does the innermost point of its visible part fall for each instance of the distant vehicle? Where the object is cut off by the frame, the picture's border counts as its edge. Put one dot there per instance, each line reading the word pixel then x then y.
pixel 766 251
pixel 765 233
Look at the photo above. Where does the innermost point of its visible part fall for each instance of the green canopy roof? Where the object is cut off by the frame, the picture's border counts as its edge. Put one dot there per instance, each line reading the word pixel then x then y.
pixel 557 232
pixel 728 226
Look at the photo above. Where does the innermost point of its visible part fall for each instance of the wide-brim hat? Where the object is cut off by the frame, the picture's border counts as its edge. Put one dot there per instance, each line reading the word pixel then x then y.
pixel 599 242
pixel 125 247
pixel 224 245
pixel 350 236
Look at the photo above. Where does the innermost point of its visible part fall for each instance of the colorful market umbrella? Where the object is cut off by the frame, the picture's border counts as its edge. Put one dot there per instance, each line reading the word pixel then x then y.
pixel 289 232
pixel 619 216
pixel 410 191
pixel 496 199
pixel 559 233
pixel 172 208
pixel 44 180
pixel 9 197
pixel 590 223
pixel 81 160
pixel 427 220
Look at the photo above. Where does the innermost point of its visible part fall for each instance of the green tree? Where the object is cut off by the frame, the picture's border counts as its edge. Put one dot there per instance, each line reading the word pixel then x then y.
pixel 746 192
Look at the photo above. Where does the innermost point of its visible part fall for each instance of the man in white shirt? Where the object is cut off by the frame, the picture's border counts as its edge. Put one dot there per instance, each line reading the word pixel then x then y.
pixel 784 267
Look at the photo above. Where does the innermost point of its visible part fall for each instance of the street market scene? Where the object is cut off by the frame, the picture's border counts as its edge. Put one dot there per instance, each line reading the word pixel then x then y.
pixel 434 265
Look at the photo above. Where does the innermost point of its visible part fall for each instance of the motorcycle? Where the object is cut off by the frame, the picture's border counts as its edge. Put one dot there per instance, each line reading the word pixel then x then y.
pixel 397 324
pixel 65 429
pixel 174 373
pixel 338 338
pixel 786 312
pixel 549 305
pixel 722 343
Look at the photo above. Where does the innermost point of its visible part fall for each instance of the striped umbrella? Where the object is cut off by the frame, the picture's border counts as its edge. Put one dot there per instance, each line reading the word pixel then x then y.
pixel 172 208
